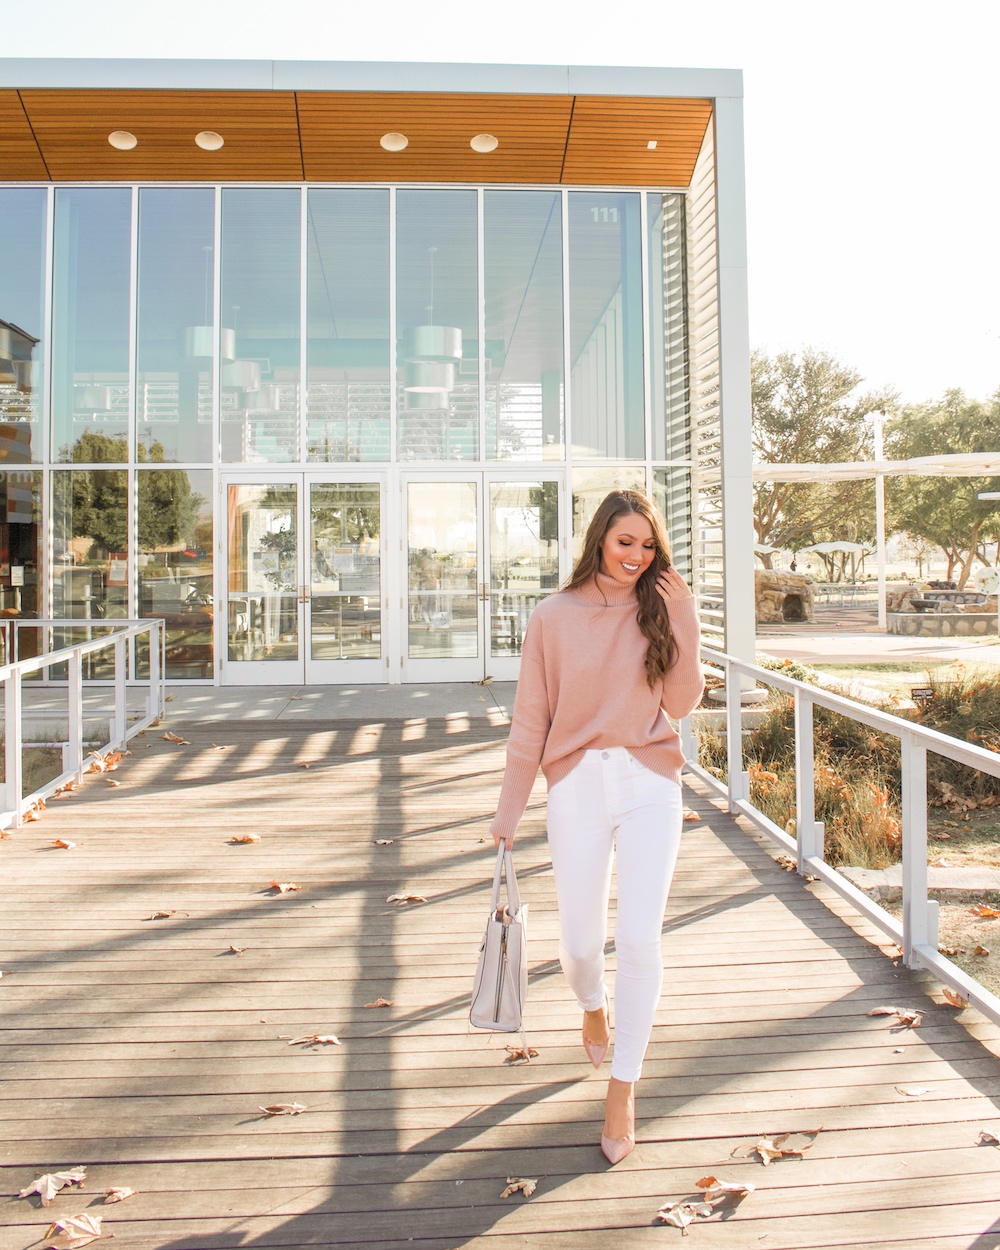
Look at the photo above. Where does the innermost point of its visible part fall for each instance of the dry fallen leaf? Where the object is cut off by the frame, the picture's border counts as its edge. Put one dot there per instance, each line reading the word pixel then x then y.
pixel 244 839
pixel 406 898
pixel 315 1039
pixel 33 812
pixel 985 1139
pixel 61 842
pixel 383 841
pixel 942 837
pixel 681 1214
pixel 690 815
pixel 516 1054
pixel 165 915
pixel 714 1188
pixel 109 781
pixel 954 999
pixel 986 913
pixel 910 1019
pixel 305 764
pixel 169 737
pixel 380 1002
pixel 952 950
pixel 284 1108
pixel 67 788
pixel 515 1183
pixel 915 1092
pixel 783 1144
pixel 284 887
pixel 115 1194
pixel 786 862
pixel 48 1186
pixel 883 1011
pixel 940 863
pixel 980 950
pixel 487 681
pixel 238 950
pixel 73 1231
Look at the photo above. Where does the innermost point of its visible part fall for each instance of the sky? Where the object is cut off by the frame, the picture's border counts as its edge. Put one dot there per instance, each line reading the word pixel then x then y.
pixel 872 128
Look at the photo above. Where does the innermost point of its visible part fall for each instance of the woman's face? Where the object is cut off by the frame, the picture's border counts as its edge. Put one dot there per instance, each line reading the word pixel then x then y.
pixel 628 548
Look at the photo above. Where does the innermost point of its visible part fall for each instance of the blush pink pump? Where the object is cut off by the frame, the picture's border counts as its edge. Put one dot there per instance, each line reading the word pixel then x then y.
pixel 616 1148
pixel 595 1051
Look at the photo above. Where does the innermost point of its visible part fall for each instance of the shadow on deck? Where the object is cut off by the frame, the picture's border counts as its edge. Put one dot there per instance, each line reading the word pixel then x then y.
pixel 143 1047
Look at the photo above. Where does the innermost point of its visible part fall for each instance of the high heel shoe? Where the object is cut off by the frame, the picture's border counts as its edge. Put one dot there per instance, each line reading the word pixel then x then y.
pixel 596 1051
pixel 616 1148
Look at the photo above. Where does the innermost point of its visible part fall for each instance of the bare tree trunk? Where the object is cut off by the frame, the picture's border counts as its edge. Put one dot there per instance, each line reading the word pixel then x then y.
pixel 766 557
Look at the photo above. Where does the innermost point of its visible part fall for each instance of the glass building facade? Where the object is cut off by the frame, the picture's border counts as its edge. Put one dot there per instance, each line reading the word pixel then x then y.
pixel 332 433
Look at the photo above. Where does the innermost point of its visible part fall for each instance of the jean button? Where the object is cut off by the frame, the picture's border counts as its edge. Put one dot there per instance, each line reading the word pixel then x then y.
pixel 605 755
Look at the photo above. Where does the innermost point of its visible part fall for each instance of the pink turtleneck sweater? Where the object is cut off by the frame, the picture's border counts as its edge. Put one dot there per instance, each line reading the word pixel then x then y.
pixel 583 685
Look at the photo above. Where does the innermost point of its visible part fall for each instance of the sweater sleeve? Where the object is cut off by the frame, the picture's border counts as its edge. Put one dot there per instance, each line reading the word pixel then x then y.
pixel 529 729
pixel 684 682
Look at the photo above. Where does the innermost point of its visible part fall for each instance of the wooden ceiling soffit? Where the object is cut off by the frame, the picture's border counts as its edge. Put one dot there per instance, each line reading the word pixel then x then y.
pixel 341 131
pixel 259 129
pixel 20 159
pixel 609 138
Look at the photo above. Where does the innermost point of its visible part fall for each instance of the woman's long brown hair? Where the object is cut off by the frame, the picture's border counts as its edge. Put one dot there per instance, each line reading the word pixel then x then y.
pixel 651 614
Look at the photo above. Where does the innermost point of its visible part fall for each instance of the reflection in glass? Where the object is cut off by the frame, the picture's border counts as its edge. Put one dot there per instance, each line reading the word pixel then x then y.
pixel 524 557
pixel 175 333
pixel 22 312
pixel 437 325
pixel 442 570
pixel 263 572
pixel 524 325
pixel 20 557
pixel 672 495
pixel 90 340
pixel 348 303
pixel 175 565
pixel 590 486
pixel 346 590
pixel 668 328
pixel 605 294
pixel 260 303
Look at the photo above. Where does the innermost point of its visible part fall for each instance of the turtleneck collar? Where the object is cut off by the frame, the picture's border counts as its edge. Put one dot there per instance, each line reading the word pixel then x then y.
pixel 607 591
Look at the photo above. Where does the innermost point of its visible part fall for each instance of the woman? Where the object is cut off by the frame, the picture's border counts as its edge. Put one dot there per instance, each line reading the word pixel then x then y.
pixel 603 660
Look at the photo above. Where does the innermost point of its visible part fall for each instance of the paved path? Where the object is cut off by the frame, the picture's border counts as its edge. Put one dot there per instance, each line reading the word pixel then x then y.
pixel 143 1047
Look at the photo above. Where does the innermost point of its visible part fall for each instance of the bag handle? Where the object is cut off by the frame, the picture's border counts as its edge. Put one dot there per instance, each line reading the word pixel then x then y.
pixel 505 864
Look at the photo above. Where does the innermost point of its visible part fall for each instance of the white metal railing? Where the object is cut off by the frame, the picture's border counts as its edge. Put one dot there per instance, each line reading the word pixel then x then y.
pixel 14 805
pixel 917 932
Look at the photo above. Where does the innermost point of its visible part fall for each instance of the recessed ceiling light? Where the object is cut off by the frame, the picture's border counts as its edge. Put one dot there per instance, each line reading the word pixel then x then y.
pixel 484 143
pixel 209 140
pixel 651 144
pixel 394 141
pixel 123 140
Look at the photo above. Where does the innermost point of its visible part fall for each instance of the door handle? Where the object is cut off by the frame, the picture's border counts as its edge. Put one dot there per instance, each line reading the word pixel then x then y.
pixel 484 591
pixel 304 594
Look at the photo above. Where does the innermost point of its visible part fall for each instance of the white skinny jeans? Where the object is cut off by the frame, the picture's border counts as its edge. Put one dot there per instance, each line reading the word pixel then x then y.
pixel 610 801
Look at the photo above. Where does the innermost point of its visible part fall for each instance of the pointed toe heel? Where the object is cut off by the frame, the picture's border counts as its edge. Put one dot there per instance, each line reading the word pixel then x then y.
pixel 616 1148
pixel 596 1052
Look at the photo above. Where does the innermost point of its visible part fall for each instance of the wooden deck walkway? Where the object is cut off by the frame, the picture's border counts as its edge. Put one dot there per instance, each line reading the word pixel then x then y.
pixel 143 1048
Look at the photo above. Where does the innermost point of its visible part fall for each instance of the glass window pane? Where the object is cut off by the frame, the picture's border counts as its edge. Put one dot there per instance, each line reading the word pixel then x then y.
pixel 524 325
pixel 90 546
pixel 91 334
pixel 260 305
pixel 175 565
pixel 437 325
pixel 442 570
pixel 20 556
pixel 524 557
pixel 605 296
pixel 346 593
pixel 22 312
pixel 176 334
pixel 263 572
pixel 668 329
pixel 348 348
pixel 589 487
pixel 672 495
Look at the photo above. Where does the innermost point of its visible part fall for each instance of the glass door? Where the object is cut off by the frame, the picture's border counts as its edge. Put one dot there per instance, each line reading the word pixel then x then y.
pixel 481 550
pixel 303 600
pixel 264 589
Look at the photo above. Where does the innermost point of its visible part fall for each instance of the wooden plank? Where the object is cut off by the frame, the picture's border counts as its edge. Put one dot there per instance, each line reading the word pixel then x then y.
pixel 20 159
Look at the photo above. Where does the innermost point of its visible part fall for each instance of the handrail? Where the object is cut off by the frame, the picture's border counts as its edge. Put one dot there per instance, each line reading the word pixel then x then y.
pixel 917 933
pixel 14 804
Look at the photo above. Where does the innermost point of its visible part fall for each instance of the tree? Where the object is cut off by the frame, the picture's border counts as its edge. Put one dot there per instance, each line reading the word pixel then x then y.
pixel 946 510
pixel 806 409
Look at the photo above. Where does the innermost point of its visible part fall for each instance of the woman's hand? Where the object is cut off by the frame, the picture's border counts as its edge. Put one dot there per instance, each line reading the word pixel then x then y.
pixel 670 585
pixel 497 839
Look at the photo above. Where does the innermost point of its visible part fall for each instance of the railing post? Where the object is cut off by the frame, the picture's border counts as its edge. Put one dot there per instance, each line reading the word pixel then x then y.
pixel 919 913
pixel 154 702
pixel 689 740
pixel 74 757
pixel 808 834
pixel 734 738
pixel 121 712
pixel 12 744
